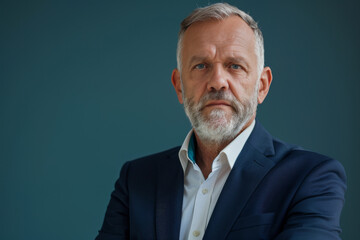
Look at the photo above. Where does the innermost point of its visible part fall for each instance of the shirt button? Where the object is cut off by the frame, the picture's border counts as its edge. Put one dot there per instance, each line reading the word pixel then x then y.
pixel 204 191
pixel 196 233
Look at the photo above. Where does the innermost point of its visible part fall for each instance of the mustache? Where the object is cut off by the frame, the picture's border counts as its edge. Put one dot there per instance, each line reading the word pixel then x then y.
pixel 219 95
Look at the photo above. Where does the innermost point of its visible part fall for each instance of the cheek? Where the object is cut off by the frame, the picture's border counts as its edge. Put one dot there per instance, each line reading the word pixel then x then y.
pixel 194 91
pixel 238 90
pixel 243 88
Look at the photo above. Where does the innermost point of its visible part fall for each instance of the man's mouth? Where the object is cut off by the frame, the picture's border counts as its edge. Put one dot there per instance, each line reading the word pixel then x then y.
pixel 217 103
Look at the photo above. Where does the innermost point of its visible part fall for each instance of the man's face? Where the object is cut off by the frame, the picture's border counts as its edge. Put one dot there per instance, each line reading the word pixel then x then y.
pixel 219 76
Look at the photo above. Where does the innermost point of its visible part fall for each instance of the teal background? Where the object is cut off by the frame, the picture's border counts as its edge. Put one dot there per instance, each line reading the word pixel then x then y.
pixel 85 86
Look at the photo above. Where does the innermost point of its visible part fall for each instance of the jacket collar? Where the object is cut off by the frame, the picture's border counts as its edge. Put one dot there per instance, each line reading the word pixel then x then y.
pixel 251 166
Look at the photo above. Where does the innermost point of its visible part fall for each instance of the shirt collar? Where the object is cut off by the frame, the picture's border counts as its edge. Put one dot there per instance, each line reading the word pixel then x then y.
pixel 183 152
pixel 234 148
pixel 231 151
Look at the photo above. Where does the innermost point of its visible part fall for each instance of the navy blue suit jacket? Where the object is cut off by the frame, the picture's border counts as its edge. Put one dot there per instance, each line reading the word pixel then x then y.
pixel 274 191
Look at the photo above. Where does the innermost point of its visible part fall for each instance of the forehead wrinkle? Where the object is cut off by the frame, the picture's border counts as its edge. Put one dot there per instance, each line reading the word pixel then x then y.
pixel 203 54
pixel 234 43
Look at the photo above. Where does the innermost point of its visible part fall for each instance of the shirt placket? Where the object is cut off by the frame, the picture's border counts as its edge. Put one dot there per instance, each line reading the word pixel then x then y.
pixel 201 207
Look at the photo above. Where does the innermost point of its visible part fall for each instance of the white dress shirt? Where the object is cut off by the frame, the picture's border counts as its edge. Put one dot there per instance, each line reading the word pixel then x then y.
pixel 200 194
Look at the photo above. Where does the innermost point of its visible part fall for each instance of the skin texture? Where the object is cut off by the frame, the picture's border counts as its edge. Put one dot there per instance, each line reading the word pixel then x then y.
pixel 219 55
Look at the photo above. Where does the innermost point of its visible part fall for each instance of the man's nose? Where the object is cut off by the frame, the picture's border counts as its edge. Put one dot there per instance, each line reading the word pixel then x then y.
pixel 218 79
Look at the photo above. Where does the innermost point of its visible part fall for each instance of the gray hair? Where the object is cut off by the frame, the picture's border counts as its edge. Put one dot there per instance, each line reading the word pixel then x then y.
pixel 220 11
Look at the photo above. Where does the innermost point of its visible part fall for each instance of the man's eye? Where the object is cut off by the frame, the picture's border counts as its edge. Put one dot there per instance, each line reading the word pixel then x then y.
pixel 235 66
pixel 200 66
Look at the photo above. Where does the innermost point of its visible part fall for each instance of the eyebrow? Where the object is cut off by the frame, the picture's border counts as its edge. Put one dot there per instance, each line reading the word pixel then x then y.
pixel 241 60
pixel 237 59
pixel 196 59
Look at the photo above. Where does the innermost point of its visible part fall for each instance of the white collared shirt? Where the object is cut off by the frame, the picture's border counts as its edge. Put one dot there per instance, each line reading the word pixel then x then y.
pixel 200 194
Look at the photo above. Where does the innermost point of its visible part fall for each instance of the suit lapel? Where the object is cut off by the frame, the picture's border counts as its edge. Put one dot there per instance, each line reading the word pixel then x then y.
pixel 169 196
pixel 249 169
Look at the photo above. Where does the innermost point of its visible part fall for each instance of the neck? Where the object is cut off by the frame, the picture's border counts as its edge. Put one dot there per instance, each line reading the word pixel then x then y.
pixel 206 152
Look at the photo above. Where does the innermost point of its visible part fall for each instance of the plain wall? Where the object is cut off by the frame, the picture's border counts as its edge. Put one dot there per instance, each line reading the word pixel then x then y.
pixel 85 86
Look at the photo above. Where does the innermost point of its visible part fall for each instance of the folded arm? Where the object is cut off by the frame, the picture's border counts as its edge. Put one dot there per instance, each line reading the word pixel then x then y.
pixel 316 208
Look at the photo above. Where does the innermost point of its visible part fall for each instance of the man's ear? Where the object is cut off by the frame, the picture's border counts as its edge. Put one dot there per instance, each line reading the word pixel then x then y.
pixel 176 81
pixel 265 82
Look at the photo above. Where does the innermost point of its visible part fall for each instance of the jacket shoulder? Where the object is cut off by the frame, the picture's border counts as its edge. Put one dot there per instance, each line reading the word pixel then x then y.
pixel 304 162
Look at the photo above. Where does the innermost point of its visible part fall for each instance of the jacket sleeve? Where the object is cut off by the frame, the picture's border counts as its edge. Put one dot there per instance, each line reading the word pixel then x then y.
pixel 316 207
pixel 116 221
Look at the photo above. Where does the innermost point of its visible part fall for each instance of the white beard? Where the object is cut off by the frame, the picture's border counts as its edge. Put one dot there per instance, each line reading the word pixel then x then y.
pixel 217 127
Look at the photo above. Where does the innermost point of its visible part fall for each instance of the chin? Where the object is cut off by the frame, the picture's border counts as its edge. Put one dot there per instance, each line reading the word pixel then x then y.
pixel 219 117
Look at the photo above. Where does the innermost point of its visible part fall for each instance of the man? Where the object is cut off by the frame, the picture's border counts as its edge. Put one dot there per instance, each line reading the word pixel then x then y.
pixel 230 179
